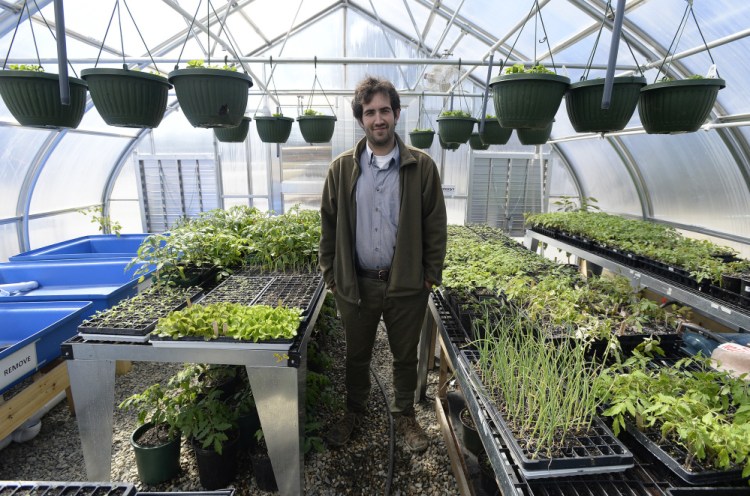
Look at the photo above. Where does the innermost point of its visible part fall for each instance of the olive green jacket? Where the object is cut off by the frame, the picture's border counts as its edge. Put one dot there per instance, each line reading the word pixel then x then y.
pixel 421 236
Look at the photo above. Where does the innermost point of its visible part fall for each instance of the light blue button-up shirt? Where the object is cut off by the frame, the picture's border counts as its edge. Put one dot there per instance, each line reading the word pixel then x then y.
pixel 378 204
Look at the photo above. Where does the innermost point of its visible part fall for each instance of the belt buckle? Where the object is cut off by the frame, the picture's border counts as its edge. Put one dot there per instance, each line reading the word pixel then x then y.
pixel 383 274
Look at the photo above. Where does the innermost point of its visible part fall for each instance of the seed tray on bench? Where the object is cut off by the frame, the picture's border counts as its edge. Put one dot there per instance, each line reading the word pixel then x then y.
pixel 293 290
pixel 708 491
pixel 598 451
pixel 36 488
pixel 240 289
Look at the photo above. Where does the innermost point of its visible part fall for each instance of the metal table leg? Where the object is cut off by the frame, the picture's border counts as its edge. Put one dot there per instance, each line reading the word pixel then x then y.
pixel 93 406
pixel 279 392
pixel 425 340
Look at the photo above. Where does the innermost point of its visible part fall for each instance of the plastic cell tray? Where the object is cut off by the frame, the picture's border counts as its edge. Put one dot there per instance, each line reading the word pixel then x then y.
pixel 35 488
pixel 708 491
pixel 103 282
pixel 31 334
pixel 293 290
pixel 94 246
pixel 243 290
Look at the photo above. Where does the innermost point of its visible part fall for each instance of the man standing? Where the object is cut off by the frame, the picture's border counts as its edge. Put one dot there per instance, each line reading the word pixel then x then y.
pixel 382 248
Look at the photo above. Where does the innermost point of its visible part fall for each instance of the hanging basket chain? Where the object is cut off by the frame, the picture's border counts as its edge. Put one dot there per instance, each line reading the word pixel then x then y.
pixel 590 62
pixel 423 112
pixel 316 80
pixel 187 36
pixel 675 42
pixel 140 35
pixel 546 38
pixel 270 81
pixel 537 13
pixel 122 38
pixel 692 13
pixel 106 32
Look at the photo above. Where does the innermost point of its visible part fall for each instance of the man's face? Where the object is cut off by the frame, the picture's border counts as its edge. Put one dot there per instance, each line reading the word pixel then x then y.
pixel 379 120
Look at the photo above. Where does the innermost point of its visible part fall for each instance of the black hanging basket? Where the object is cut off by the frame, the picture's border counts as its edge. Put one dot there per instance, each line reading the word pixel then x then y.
pixel 233 134
pixel 273 129
pixel 33 98
pixel 453 146
pixel 317 128
pixel 534 136
pixel 527 100
pixel 680 106
pixel 422 139
pixel 455 129
pixel 475 142
pixel 583 102
pixel 494 133
pixel 127 98
pixel 211 97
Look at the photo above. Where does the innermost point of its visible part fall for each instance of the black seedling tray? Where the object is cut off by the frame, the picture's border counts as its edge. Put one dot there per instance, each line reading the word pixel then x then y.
pixel 220 492
pixel 36 488
pixel 597 451
pixel 240 289
pixel 708 491
pixel 293 290
pixel 450 323
pixel 701 475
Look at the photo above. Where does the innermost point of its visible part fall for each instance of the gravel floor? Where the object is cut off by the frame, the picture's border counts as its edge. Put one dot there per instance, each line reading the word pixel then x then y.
pixel 360 468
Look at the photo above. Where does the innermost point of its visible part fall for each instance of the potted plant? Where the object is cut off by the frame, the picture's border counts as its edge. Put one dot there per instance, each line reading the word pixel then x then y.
pixel 534 136
pixel 211 96
pixel 583 102
pixel 678 106
pixel 262 467
pixel 494 133
pixel 422 138
pixel 316 127
pixel 127 97
pixel 455 126
pixel 233 134
pixel 156 441
pixel 274 128
pixel 527 98
pixel 471 438
pixel 475 142
pixel 33 97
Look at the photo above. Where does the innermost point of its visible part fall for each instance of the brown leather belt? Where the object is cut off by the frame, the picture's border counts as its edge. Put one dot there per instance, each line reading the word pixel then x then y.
pixel 381 275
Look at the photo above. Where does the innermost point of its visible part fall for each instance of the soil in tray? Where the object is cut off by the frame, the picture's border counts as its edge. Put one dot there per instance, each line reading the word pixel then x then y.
pixel 291 290
pixel 240 289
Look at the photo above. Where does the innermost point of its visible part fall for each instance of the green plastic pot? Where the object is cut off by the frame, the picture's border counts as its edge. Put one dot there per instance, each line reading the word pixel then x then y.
pixel 475 142
pixel 233 134
pixel 534 136
pixel 494 133
pixel 422 139
pixel 448 146
pixel 680 106
pixel 33 98
pixel 317 128
pixel 583 102
pixel 155 464
pixel 273 129
pixel 126 98
pixel 456 129
pixel 211 97
pixel 527 101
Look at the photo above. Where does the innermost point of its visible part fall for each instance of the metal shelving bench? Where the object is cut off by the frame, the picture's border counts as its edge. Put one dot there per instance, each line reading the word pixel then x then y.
pixel 727 315
pixel 277 373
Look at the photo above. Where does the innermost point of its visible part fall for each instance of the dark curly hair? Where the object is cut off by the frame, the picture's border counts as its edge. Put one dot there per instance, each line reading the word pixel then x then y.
pixel 367 88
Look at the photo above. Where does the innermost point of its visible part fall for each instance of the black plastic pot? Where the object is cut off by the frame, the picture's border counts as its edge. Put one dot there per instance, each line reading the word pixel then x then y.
pixel 469 433
pixel 475 142
pixel 680 106
pixel 534 136
pixel 33 98
pixel 263 471
pixel 155 464
pixel 233 134
pixel 317 128
pixel 273 129
pixel 583 102
pixel 217 470
pixel 732 283
pixel 249 423
pixel 448 146
pixel 211 97
pixel 527 101
pixel 422 139
pixel 126 98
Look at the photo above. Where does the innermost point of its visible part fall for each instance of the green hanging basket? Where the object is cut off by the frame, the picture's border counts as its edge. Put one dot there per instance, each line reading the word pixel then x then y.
pixel 455 129
pixel 583 102
pixel 273 129
pixel 126 98
pixel 448 145
pixel 475 142
pixel 422 139
pixel 534 136
pixel 527 100
pixel 317 128
pixel 680 106
pixel 494 133
pixel 233 134
pixel 33 98
pixel 211 97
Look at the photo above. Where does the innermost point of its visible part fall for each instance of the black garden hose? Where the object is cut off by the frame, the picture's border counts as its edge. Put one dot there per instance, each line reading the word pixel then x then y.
pixel 392 435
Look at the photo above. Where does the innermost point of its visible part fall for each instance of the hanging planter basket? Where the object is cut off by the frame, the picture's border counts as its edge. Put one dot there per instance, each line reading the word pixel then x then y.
pixel 273 129
pixel 448 145
pixel 211 97
pixel 494 133
pixel 233 134
pixel 126 98
pixel 455 129
pixel 475 142
pixel 583 102
pixel 534 136
pixel 680 106
pixel 317 128
pixel 33 98
pixel 422 139
pixel 527 100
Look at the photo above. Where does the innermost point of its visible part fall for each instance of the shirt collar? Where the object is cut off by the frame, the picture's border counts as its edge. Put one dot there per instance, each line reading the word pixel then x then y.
pixel 393 154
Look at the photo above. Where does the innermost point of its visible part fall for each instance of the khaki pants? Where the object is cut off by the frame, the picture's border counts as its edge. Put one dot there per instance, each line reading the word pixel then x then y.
pixel 403 317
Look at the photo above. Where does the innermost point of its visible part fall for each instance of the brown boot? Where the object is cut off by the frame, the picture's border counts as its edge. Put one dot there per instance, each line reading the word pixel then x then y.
pixel 341 431
pixel 411 432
